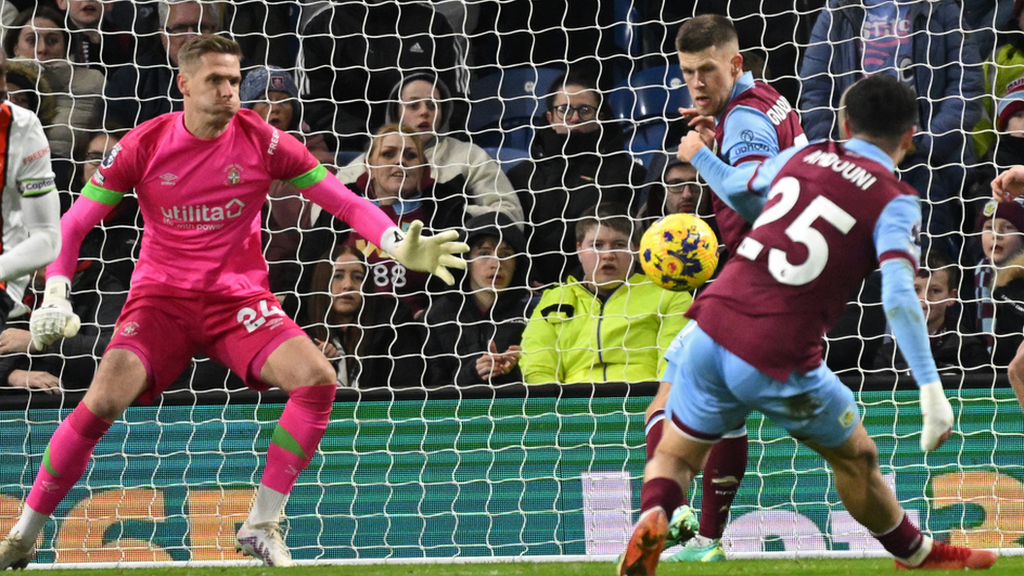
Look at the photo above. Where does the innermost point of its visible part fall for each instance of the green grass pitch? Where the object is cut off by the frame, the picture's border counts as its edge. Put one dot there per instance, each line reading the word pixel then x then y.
pixel 804 567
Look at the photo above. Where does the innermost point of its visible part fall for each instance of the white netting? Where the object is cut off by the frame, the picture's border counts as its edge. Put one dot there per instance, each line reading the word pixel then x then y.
pixel 485 467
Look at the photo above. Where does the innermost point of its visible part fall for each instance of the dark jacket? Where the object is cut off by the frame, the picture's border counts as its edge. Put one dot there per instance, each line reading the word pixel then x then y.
pixel 97 299
pixel 389 349
pixel 566 176
pixel 459 332
pixel 1008 317
pixel 354 54
pixel 950 347
pixel 142 91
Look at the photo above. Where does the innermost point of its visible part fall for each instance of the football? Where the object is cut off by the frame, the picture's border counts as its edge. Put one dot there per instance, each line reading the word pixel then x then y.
pixel 679 252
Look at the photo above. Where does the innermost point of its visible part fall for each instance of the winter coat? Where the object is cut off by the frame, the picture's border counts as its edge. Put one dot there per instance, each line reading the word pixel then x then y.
pixel 354 54
pixel 460 332
pixel 576 336
pixel 948 76
pixel 1008 301
pixel 565 177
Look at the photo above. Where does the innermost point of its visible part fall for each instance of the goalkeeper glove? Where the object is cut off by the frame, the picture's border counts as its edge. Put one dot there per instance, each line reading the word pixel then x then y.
pixel 54 319
pixel 937 415
pixel 431 254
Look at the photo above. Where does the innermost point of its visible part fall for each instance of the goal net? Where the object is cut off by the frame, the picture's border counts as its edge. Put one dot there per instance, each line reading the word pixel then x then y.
pixel 424 459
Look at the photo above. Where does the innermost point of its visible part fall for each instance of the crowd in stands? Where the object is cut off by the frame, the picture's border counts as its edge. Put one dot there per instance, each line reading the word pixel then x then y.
pixel 382 92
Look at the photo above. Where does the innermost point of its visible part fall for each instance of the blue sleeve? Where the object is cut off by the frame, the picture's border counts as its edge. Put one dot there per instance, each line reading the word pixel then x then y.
pixel 903 310
pixel 748 133
pixel 897 230
pixel 897 247
pixel 743 188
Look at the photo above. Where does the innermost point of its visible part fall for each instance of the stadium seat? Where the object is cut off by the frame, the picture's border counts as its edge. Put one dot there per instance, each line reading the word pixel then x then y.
pixel 505 106
pixel 508 157
pixel 650 93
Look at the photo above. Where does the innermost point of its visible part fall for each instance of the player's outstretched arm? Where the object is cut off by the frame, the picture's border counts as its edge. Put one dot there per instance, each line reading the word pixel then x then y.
pixel 903 311
pixel 1009 185
pixel 433 254
pixel 41 215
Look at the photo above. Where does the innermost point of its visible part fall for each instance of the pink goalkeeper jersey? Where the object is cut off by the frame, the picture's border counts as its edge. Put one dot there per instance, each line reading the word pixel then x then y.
pixel 201 199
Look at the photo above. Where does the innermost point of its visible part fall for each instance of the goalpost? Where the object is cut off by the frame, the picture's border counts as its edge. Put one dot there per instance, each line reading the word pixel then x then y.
pixel 511 473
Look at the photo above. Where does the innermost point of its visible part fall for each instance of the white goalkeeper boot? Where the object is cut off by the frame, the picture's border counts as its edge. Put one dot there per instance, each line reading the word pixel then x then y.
pixel 265 543
pixel 15 553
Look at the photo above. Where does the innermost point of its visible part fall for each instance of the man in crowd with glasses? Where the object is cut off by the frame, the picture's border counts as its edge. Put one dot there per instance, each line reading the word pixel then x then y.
pixel 147 88
pixel 577 161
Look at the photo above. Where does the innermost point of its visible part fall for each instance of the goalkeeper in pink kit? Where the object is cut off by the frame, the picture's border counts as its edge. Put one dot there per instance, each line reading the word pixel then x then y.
pixel 201 286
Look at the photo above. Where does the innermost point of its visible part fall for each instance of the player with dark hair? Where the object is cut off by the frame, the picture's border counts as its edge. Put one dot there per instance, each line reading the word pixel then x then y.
pixel 200 286
pixel 828 214
pixel 749 122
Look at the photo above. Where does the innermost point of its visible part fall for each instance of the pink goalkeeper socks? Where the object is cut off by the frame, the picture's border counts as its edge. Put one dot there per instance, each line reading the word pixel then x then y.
pixel 298 433
pixel 66 458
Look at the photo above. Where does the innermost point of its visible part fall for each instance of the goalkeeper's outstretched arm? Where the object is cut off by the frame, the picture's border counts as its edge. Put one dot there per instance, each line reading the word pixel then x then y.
pixel 434 254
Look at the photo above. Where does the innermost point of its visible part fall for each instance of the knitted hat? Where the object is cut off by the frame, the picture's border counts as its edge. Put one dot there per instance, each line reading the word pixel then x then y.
pixel 1013 212
pixel 1009 105
pixel 264 79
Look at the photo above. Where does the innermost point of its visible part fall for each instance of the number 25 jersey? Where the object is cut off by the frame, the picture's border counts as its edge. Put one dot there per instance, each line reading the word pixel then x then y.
pixel 833 213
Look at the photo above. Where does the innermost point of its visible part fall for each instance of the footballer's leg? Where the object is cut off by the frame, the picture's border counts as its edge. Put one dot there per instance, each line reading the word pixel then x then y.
pixel 120 379
pixel 870 501
pixel 676 461
pixel 298 368
pixel 682 525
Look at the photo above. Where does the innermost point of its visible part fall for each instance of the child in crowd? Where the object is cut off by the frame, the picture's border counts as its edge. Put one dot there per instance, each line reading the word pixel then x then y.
pixel 611 326
pixel 936 286
pixel 475 332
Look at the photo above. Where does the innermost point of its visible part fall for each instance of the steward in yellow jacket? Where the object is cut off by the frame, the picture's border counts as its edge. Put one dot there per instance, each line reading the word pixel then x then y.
pixel 574 335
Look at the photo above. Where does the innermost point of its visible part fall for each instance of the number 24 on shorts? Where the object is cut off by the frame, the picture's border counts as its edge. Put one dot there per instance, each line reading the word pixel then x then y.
pixel 252 319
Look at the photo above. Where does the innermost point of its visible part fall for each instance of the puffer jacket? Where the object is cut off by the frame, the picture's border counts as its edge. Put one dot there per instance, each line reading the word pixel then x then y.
pixel 575 336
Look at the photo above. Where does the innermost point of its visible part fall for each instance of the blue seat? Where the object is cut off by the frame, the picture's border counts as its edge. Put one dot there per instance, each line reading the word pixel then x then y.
pixel 505 106
pixel 657 92
pixel 508 157
pixel 647 140
pixel 626 30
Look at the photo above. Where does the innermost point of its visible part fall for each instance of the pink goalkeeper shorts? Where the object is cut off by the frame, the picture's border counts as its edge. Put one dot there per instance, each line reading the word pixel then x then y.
pixel 166 326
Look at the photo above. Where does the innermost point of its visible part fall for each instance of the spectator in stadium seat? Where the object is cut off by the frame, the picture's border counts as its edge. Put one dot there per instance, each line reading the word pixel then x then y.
pixel 398 179
pixel 68 363
pixel 474 333
pixel 577 160
pixel 1004 74
pixel 354 53
pixel 1000 277
pixel 922 43
pixel 147 88
pixel 370 338
pixel 937 285
pixel 37 36
pixel 271 92
pixel 95 40
pixel 121 234
pixel 30 90
pixel 423 102
pixel 674 187
pixel 610 326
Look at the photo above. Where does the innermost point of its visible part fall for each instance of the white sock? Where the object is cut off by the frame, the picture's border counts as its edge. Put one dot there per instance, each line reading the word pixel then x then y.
pixel 918 557
pixel 30 524
pixel 268 506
